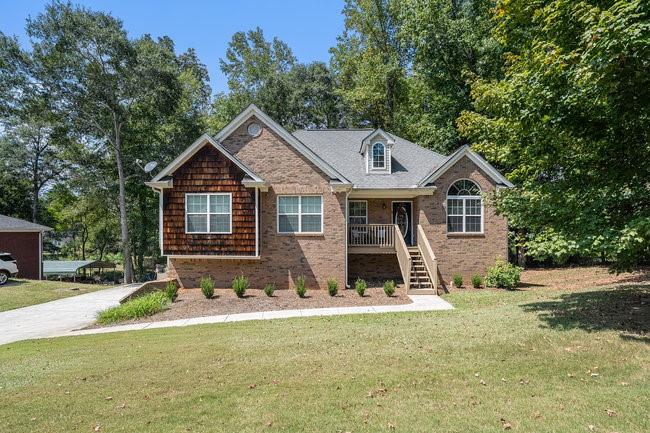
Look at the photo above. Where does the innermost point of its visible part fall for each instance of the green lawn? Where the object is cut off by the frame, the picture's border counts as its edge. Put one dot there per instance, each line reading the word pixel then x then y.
pixel 527 361
pixel 21 293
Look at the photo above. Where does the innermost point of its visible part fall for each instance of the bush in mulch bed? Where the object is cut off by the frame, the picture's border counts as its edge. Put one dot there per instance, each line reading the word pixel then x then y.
pixel 269 289
pixel 389 288
pixel 239 285
pixel 360 286
pixel 332 287
pixel 207 287
pixel 301 290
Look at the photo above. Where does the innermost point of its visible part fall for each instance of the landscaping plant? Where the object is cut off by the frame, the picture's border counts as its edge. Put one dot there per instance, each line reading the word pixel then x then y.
pixel 503 275
pixel 332 286
pixel 477 281
pixel 360 286
pixel 301 290
pixel 239 285
pixel 389 288
pixel 458 280
pixel 171 289
pixel 145 305
pixel 269 289
pixel 207 286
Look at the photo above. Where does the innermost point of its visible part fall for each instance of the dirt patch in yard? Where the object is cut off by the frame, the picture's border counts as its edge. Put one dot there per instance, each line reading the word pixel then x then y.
pixel 578 277
pixel 191 302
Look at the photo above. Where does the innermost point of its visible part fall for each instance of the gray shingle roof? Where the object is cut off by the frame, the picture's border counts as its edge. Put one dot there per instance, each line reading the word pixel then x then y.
pixel 340 149
pixel 14 224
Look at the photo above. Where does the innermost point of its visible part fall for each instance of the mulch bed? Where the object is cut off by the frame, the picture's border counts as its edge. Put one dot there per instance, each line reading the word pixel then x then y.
pixel 191 302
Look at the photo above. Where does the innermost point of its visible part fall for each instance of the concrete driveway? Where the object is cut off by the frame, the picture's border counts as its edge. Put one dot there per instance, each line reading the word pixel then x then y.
pixel 60 316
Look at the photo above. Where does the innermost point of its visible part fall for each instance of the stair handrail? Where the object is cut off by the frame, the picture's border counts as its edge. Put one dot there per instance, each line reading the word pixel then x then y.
pixel 403 257
pixel 428 257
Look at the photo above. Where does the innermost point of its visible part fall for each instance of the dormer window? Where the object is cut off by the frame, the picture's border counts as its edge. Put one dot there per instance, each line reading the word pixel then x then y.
pixel 378 156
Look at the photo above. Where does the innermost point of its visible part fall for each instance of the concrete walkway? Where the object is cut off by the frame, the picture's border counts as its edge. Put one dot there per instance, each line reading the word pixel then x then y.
pixel 420 303
pixel 60 316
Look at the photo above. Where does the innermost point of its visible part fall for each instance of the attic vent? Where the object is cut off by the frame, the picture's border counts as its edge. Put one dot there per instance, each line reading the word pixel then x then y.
pixel 254 129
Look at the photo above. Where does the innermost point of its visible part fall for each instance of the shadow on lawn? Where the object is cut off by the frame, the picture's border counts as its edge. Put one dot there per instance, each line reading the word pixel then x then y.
pixel 625 309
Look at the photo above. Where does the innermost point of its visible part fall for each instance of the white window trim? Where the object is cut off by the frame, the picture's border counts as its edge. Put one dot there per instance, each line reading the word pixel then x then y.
pixel 357 216
pixel 464 215
pixel 208 213
pixel 299 214
pixel 372 156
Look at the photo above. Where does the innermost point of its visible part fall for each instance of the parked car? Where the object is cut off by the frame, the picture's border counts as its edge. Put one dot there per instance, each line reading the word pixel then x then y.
pixel 8 267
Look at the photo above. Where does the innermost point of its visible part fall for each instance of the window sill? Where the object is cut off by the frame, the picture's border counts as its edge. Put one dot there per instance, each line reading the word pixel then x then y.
pixel 302 235
pixel 465 235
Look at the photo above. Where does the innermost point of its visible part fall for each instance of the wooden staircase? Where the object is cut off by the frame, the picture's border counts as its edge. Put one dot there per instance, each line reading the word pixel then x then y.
pixel 421 283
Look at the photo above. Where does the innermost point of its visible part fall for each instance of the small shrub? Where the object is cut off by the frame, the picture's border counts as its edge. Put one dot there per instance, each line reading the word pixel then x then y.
pixel 145 305
pixel 269 289
pixel 171 289
pixel 477 281
pixel 207 286
pixel 503 275
pixel 458 280
pixel 332 286
pixel 301 290
pixel 389 288
pixel 239 285
pixel 360 286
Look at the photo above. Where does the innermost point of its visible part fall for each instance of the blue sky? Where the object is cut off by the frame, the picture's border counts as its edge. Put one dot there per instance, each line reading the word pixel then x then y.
pixel 310 27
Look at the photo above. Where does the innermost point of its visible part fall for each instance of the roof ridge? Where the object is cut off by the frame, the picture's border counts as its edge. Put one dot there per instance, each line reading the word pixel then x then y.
pixel 332 129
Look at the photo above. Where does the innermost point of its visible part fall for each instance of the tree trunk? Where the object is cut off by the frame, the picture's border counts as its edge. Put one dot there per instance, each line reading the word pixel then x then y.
pixel 124 229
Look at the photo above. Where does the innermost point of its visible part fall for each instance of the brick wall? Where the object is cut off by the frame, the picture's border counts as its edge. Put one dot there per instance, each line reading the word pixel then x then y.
pixel 462 253
pixel 25 248
pixel 375 268
pixel 283 256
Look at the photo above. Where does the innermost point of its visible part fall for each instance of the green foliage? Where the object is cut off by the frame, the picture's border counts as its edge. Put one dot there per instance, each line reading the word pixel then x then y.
pixel 239 285
pixel 360 286
pixel 171 290
pixel 207 286
pixel 503 275
pixel 389 288
pixel 332 286
pixel 477 281
pixel 458 280
pixel 145 305
pixel 569 121
pixel 269 289
pixel 301 290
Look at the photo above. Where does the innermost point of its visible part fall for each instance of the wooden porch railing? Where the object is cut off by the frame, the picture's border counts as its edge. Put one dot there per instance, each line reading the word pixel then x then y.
pixel 428 257
pixel 371 235
pixel 403 257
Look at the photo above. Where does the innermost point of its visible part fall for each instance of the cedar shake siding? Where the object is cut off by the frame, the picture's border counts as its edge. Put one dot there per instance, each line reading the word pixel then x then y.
pixel 462 253
pixel 283 257
pixel 25 248
pixel 208 171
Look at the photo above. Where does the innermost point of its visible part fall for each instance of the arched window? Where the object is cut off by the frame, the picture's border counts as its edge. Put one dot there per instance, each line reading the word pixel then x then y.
pixel 378 155
pixel 464 207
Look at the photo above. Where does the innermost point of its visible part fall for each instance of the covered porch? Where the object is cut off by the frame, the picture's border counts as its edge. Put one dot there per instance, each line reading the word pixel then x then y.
pixel 389 227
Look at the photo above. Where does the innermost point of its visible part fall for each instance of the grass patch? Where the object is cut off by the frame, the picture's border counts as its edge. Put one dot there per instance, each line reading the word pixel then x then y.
pixel 534 358
pixel 19 293
pixel 145 305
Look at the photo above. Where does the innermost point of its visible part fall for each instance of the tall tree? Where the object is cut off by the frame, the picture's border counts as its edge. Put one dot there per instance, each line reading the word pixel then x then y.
pixel 266 73
pixel 449 42
pixel 369 62
pixel 570 120
pixel 92 70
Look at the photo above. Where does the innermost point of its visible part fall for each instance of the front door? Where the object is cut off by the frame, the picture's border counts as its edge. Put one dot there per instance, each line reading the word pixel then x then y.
pixel 403 217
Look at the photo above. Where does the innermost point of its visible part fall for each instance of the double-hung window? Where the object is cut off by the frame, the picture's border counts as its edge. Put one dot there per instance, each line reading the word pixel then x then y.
pixel 208 213
pixel 300 214
pixel 464 208
pixel 358 212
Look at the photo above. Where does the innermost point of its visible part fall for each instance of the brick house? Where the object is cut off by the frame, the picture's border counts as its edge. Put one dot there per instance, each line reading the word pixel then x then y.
pixel 336 203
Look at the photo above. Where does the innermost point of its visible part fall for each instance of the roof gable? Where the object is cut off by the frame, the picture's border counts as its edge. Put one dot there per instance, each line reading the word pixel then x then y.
pixel 377 134
pixel 202 141
pixel 295 143
pixel 465 150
